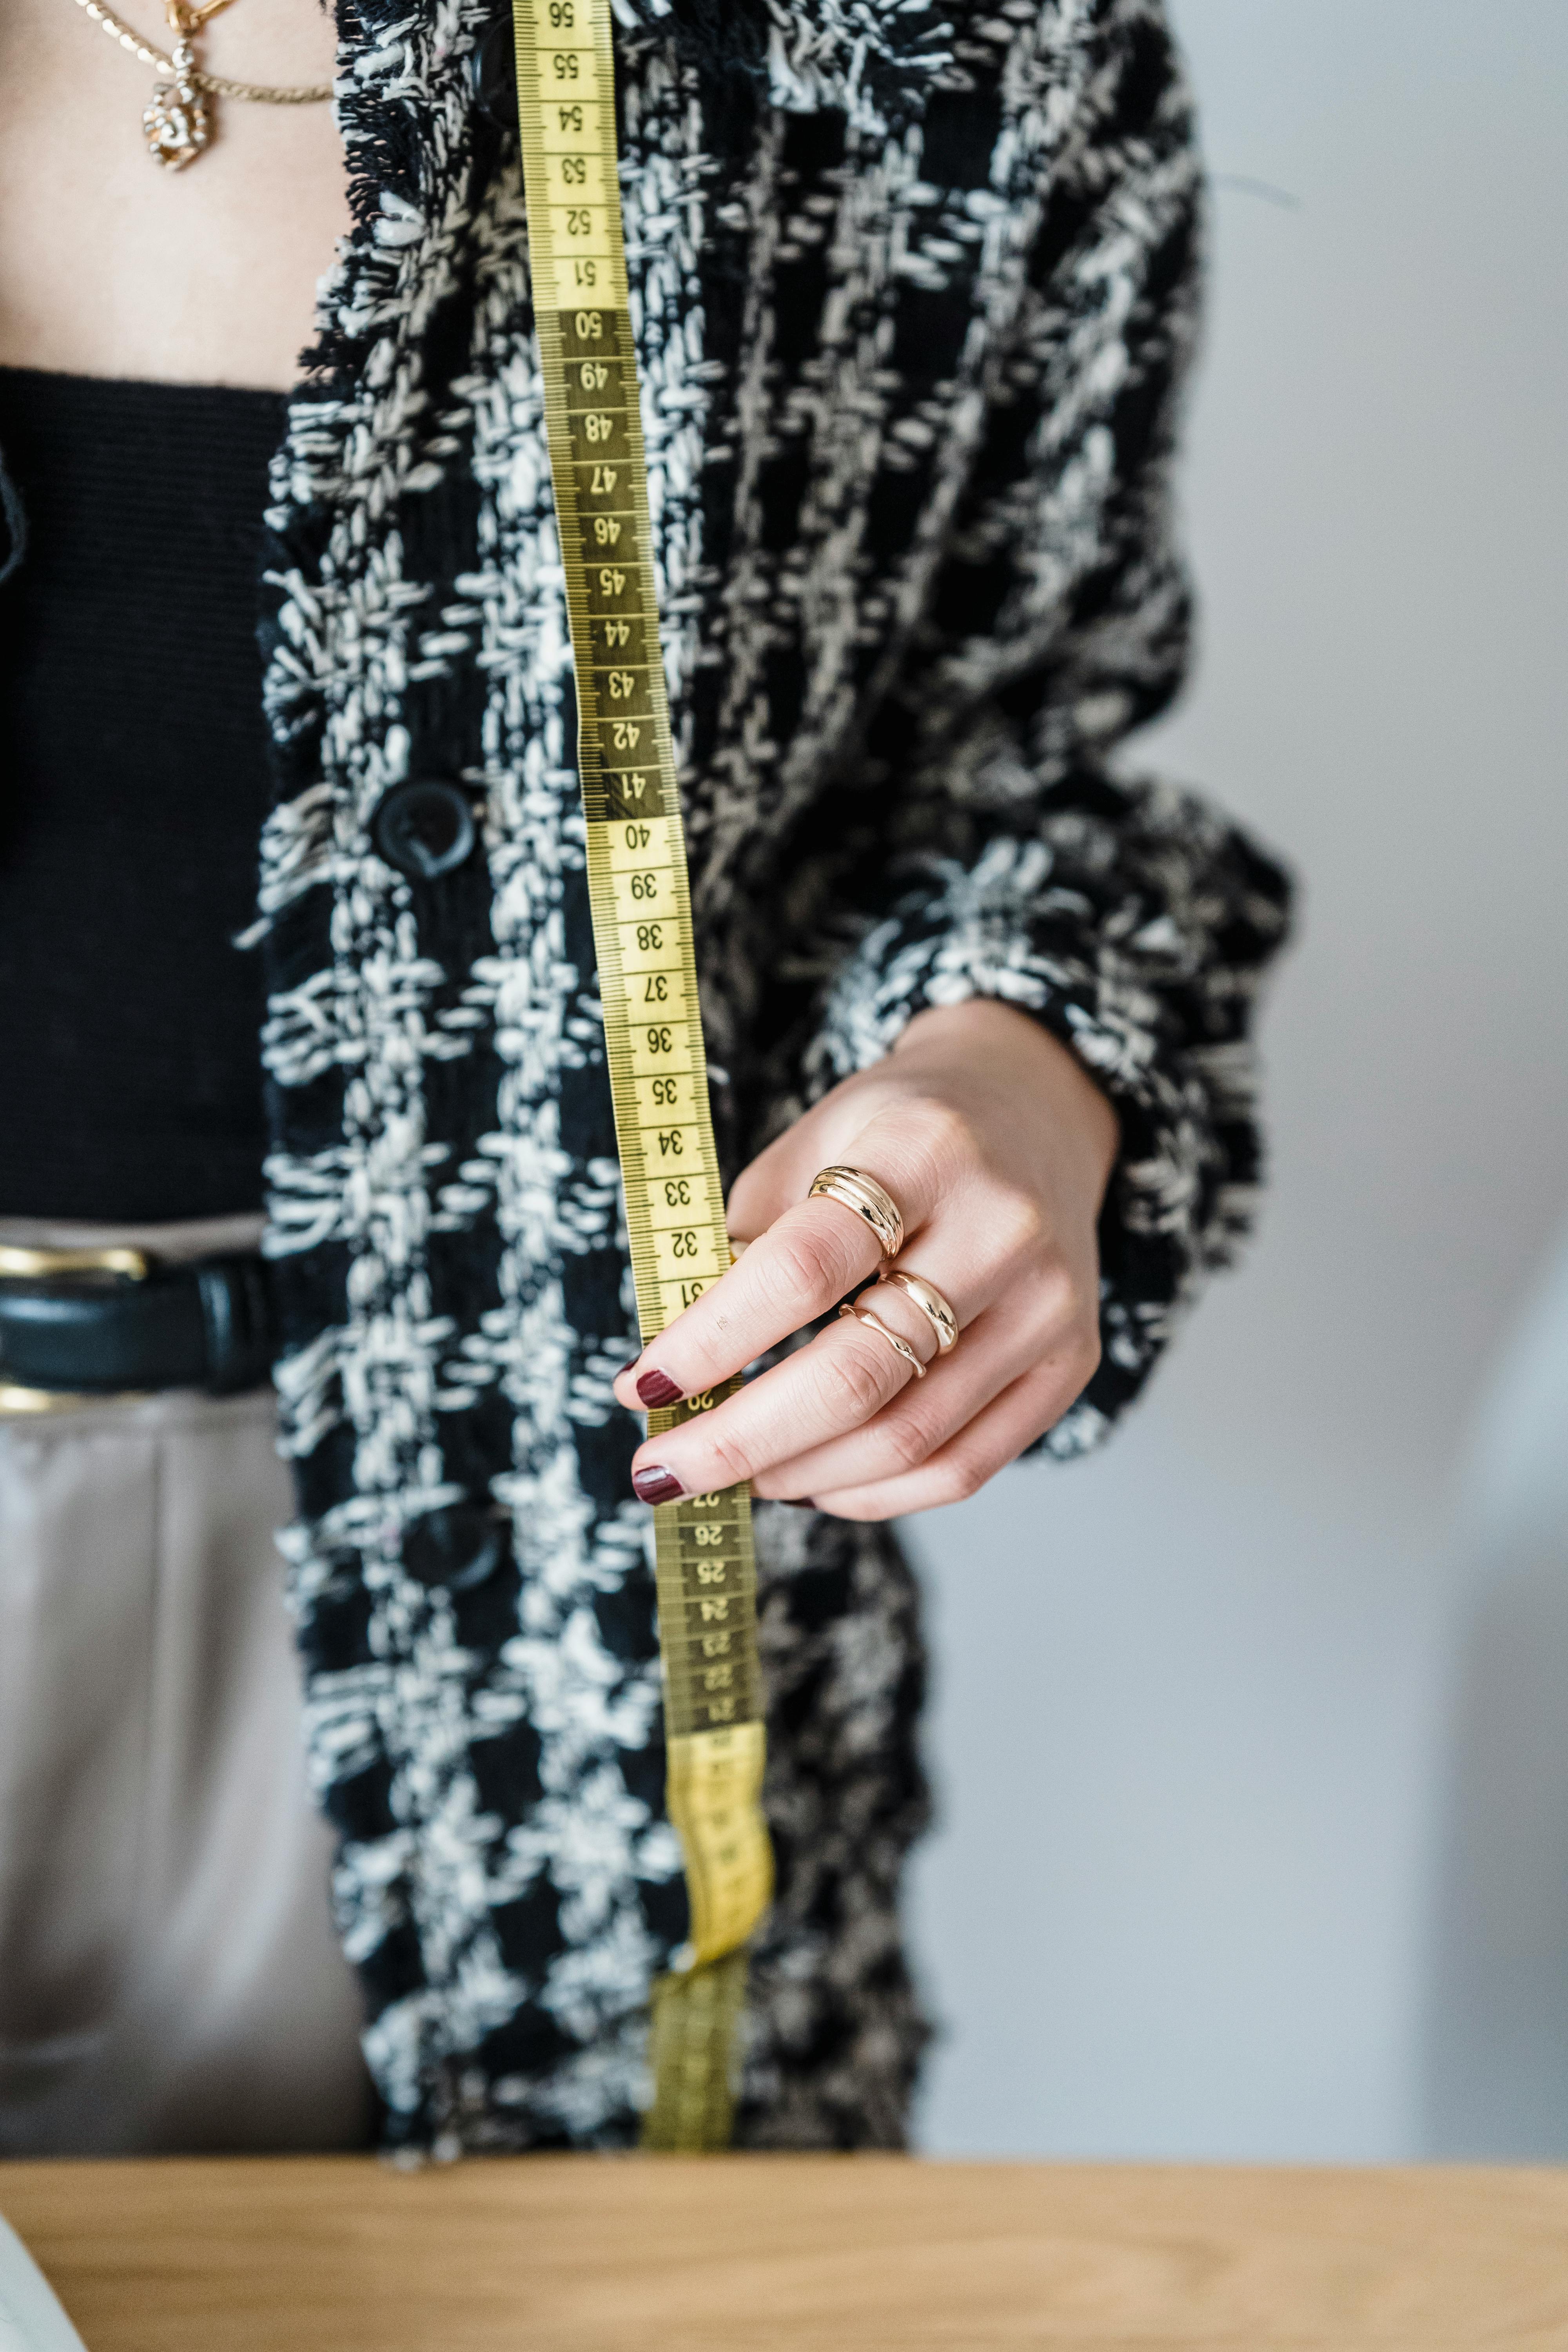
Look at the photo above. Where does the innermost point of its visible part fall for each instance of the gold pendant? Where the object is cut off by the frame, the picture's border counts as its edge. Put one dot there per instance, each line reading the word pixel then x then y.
pixel 176 119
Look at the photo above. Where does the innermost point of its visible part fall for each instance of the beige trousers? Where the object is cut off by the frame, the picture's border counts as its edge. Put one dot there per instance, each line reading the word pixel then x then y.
pixel 169 1977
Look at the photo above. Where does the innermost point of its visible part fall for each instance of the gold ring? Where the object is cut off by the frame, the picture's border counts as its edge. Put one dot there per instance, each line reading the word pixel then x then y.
pixel 860 1193
pixel 929 1301
pixel 900 1346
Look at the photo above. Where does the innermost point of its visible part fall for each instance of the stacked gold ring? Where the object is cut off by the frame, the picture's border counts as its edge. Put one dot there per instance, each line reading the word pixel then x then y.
pixel 900 1346
pixel 864 1197
pixel 931 1302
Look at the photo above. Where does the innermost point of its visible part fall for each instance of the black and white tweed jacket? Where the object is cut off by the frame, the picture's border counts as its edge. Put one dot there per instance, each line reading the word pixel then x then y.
pixel 914 290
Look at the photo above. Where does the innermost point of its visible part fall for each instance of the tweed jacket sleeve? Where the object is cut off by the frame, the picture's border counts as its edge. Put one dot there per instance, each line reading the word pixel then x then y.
pixel 991 846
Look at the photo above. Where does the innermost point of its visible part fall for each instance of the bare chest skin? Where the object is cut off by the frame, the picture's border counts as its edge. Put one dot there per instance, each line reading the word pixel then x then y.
pixel 110 265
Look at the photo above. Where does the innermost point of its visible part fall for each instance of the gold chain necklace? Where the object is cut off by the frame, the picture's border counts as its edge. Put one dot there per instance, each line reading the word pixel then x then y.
pixel 177 119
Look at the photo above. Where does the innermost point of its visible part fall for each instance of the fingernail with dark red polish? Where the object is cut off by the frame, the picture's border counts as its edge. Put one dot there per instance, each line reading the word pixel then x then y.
pixel 656 1484
pixel 798 1502
pixel 657 1387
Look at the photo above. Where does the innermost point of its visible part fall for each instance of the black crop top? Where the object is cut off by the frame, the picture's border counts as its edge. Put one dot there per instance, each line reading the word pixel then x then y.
pixel 133 788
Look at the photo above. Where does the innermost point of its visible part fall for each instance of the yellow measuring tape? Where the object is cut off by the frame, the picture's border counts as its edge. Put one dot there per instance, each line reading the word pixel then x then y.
pixel 653 1029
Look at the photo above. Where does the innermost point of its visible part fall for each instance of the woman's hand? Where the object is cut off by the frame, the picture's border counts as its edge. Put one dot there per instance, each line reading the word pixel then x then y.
pixel 996 1147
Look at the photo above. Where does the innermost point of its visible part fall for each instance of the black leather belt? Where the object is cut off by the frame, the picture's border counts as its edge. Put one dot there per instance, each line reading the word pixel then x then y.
pixel 76 1324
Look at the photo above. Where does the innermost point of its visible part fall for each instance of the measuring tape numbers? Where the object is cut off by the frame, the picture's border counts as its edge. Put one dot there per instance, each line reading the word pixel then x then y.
pixel 653 1030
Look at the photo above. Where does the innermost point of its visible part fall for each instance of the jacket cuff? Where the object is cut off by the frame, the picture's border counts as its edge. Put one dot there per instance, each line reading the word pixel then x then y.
pixel 1140 946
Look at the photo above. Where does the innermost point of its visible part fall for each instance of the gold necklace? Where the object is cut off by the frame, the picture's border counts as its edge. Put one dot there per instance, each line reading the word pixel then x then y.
pixel 177 119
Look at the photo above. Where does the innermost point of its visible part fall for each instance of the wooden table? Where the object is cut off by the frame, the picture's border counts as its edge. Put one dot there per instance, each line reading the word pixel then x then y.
pixel 774 2253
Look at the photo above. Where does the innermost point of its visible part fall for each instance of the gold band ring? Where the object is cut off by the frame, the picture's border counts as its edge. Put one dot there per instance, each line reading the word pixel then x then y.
pixel 900 1346
pixel 861 1194
pixel 938 1313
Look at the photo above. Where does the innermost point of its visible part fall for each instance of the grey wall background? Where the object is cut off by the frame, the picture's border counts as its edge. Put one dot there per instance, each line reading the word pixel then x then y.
pixel 1249 1735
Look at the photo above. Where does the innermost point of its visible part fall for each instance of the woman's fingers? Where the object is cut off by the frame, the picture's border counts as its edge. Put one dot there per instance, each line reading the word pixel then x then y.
pixel 996 1349
pixel 850 1413
pixel 984 1445
pixel 810 1258
pixel 845 1376
pixel 806 1261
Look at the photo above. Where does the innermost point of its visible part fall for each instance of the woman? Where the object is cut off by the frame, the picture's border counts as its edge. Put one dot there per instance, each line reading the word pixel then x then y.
pixel 914 291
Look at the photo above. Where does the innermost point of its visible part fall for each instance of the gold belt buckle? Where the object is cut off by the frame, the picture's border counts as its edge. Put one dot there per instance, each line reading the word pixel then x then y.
pixel 19 1264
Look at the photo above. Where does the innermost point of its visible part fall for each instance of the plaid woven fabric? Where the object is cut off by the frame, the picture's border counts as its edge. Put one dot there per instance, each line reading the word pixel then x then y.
pixel 914 290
